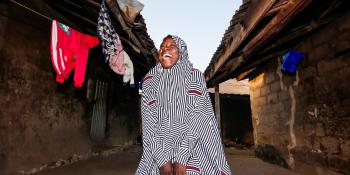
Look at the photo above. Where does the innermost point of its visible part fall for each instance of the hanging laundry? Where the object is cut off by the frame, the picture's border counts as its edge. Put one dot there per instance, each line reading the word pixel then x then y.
pixel 119 60
pixel 111 44
pixel 69 50
pixel 130 8
pixel 291 60
pixel 129 71
pixel 116 62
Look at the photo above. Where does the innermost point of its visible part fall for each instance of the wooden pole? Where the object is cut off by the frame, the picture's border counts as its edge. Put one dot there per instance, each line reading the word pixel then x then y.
pixel 217 107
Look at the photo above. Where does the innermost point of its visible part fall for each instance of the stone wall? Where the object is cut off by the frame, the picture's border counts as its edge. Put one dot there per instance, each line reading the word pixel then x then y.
pixel 306 117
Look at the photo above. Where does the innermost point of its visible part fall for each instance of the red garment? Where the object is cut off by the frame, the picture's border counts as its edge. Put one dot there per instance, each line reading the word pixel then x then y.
pixel 69 50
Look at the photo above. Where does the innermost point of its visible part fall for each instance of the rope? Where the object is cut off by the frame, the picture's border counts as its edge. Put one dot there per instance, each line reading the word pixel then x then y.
pixel 31 10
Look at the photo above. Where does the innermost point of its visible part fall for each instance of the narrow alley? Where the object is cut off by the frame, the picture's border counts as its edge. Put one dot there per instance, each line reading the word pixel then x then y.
pixel 84 84
pixel 242 162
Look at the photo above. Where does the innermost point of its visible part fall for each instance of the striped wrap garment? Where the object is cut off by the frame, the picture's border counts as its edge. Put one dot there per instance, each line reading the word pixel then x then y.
pixel 178 120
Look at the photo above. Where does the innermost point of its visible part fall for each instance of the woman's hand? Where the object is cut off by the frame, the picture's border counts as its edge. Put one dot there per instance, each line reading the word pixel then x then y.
pixel 179 169
pixel 166 169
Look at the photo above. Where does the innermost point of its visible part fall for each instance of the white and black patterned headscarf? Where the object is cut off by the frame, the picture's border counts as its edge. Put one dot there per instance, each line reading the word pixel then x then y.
pixel 172 82
pixel 183 61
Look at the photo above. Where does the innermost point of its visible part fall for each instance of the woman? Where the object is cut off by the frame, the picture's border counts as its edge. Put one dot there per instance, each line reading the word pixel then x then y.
pixel 180 134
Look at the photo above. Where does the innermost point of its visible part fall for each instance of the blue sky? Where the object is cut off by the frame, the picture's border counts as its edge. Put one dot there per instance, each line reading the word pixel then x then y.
pixel 201 24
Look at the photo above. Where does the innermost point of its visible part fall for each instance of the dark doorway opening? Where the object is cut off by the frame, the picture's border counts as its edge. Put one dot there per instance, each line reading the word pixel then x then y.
pixel 236 120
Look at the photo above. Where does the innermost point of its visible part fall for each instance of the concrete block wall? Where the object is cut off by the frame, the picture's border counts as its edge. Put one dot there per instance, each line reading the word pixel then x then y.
pixel 306 117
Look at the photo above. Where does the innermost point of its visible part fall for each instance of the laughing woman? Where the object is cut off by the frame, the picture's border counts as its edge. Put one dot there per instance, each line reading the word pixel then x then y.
pixel 180 133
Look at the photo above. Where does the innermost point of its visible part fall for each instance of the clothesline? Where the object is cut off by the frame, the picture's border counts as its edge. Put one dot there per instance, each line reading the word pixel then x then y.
pixel 138 50
pixel 31 10
pixel 126 62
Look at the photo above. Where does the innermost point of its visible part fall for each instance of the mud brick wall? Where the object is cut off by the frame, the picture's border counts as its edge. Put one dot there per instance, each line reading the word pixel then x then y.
pixel 306 117
pixel 40 121
pixel 124 115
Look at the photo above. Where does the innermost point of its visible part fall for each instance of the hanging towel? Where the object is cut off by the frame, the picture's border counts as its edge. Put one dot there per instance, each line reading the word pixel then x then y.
pixel 111 44
pixel 129 70
pixel 116 62
pixel 69 50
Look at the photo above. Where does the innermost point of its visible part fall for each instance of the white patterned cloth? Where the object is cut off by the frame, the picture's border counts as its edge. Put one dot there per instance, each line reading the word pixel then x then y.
pixel 178 120
pixel 112 49
pixel 129 70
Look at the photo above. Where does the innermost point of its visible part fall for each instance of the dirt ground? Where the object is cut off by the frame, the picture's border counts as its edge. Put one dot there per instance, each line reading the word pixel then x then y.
pixel 242 162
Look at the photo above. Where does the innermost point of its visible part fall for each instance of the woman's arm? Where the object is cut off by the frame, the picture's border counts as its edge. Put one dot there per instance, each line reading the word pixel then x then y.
pixel 150 128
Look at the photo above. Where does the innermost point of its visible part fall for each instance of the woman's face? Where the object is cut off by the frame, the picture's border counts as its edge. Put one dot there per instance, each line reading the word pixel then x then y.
pixel 168 53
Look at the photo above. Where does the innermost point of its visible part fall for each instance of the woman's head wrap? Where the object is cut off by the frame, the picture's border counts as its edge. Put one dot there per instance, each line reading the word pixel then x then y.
pixel 183 62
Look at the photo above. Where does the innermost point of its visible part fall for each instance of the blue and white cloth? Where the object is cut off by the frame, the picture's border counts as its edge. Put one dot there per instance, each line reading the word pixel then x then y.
pixel 106 33
pixel 112 49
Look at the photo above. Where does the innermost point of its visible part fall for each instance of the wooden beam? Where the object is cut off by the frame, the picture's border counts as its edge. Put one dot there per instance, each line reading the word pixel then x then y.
pixel 275 50
pixel 219 79
pixel 254 15
pixel 93 3
pixel 217 107
pixel 276 8
pixel 237 37
pixel 220 74
pixel 271 29
pixel 276 24
pixel 244 74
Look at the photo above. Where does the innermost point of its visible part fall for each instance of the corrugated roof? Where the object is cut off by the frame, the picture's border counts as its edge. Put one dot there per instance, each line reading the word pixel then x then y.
pixel 237 19
pixel 260 29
